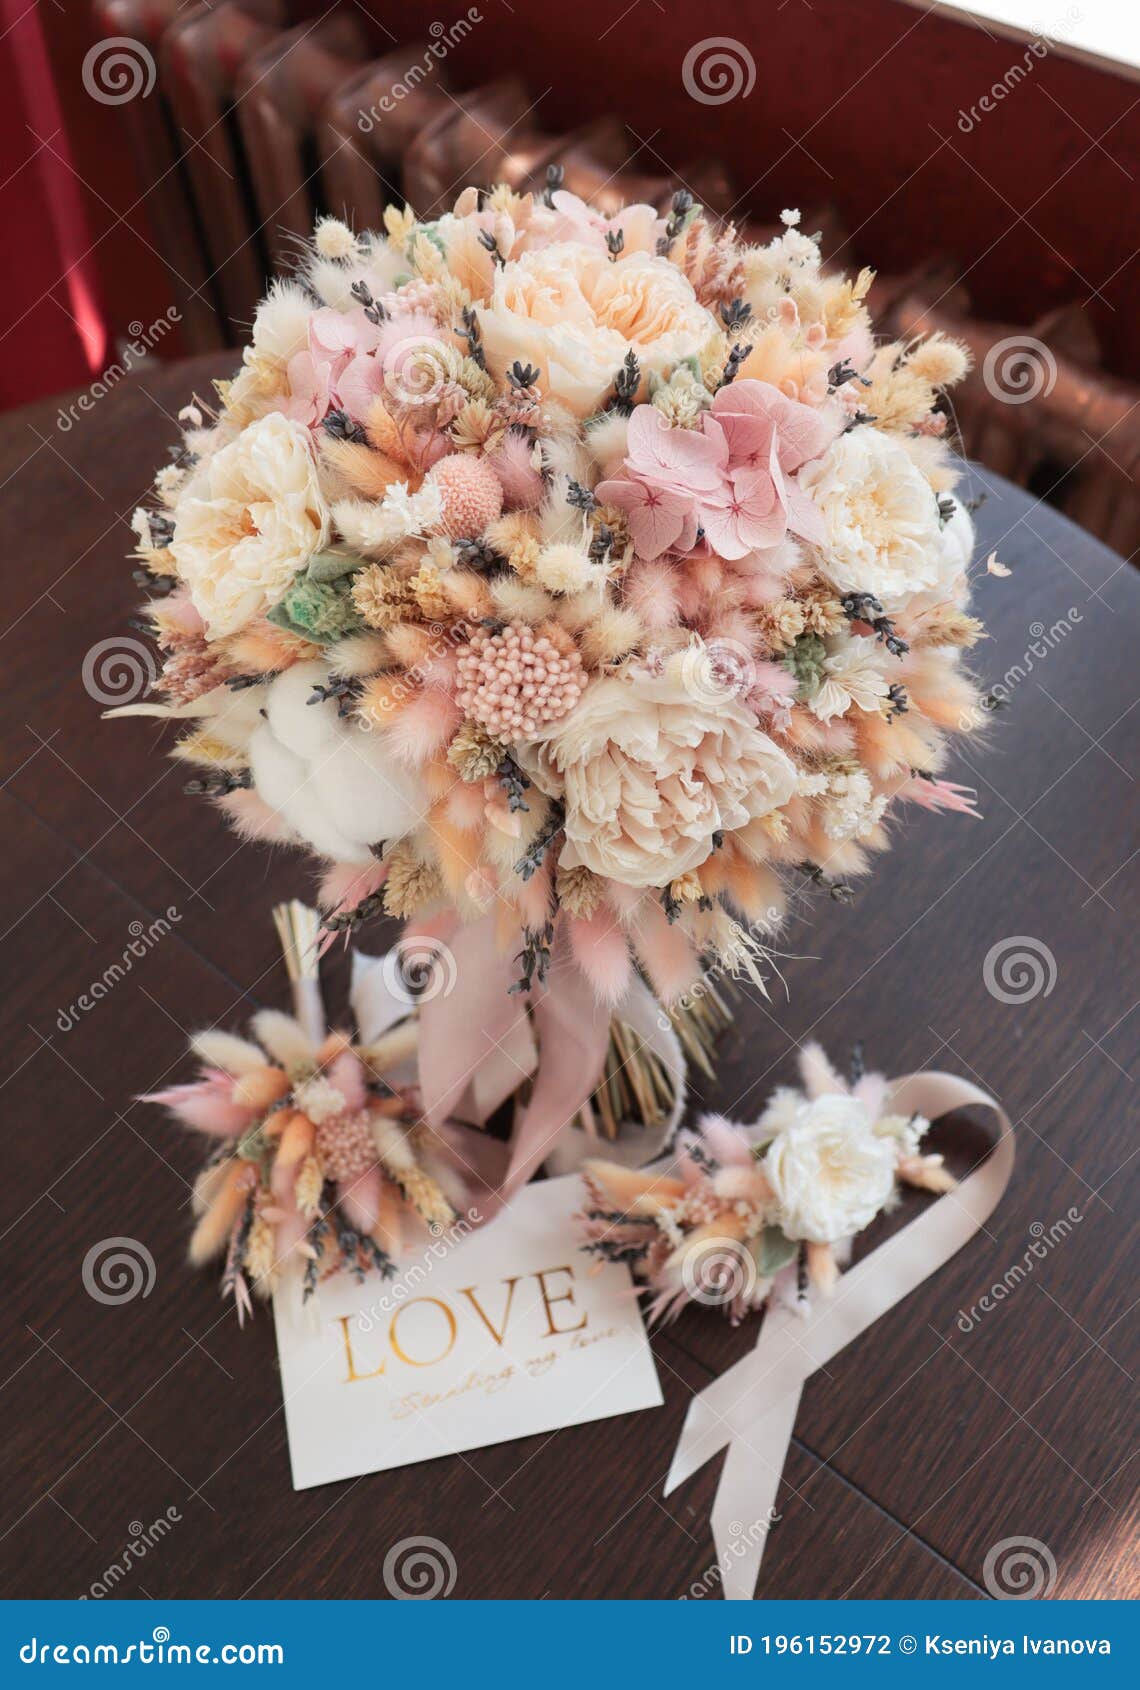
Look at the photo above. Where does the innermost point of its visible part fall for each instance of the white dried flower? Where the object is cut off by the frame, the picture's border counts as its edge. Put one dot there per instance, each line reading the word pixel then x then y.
pixel 320 1100
pixel 334 239
pixel 883 532
pixel 247 522
pixel 853 674
pixel 400 515
pixel 831 1173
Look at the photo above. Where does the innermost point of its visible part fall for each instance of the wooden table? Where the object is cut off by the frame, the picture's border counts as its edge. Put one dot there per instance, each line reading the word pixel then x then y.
pixel 922 1446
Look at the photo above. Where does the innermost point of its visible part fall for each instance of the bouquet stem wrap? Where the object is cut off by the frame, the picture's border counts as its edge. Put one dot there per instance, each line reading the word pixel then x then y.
pixel 751 1409
pixel 478 1043
pixel 461 1033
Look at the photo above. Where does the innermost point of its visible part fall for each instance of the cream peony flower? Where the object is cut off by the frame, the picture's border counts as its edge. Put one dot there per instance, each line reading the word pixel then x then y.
pixel 574 314
pixel 883 532
pixel 830 1172
pixel 247 521
pixel 649 769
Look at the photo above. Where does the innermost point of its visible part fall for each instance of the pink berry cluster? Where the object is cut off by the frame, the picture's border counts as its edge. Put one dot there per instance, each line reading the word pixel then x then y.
pixel 346 1147
pixel 516 680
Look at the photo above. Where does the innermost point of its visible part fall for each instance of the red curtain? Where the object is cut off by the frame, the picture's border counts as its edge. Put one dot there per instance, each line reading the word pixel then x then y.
pixel 52 326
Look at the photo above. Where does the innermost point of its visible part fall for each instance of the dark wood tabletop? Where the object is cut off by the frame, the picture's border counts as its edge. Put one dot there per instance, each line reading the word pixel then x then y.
pixel 919 1448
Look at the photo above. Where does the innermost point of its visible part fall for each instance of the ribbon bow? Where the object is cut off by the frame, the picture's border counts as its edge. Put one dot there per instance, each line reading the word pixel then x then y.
pixel 751 1409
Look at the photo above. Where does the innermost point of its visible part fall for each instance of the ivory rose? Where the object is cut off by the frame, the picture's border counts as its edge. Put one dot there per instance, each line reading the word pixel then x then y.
pixel 883 534
pixel 248 522
pixel 649 770
pixel 828 1169
pixel 574 313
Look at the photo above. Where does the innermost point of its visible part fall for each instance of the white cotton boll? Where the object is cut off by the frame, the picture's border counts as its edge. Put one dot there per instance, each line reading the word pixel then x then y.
pixel 277 772
pixel 337 785
pixel 284 781
pixel 365 792
pixel 309 814
pixel 305 728
pixel 234 715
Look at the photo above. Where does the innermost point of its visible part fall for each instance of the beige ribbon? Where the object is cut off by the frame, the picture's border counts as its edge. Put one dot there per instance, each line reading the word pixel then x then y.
pixel 477 1043
pixel 751 1409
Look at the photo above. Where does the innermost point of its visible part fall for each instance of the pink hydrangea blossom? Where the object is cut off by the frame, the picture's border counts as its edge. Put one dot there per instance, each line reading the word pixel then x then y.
pixel 336 339
pixel 733 480
pixel 350 361
pixel 665 471
pixel 569 218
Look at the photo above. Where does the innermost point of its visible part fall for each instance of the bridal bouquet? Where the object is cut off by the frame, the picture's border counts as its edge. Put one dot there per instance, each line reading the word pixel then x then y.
pixel 567 585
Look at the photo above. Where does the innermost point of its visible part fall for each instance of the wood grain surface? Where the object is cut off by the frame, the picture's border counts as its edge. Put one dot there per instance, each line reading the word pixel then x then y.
pixel 934 1437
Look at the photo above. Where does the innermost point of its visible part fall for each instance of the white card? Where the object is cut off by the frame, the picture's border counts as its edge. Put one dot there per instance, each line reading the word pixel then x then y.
pixel 509 1332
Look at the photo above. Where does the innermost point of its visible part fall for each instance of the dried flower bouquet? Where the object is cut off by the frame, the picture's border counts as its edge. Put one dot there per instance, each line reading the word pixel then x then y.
pixel 581 580
pixel 576 570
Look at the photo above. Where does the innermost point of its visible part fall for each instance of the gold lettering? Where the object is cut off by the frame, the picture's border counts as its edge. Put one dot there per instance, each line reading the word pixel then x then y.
pixel 450 1345
pixel 563 1297
pixel 468 1291
pixel 353 1375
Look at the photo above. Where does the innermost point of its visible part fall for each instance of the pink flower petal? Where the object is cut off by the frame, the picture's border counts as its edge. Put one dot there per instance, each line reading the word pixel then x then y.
pixel 802 431
pixel 658 517
pixel 678 458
